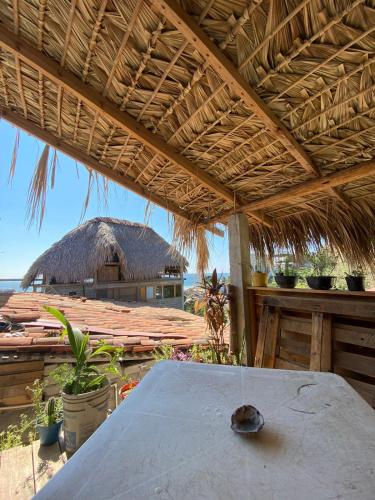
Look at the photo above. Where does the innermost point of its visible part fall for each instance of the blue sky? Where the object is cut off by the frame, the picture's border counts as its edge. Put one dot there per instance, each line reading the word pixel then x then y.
pixel 21 245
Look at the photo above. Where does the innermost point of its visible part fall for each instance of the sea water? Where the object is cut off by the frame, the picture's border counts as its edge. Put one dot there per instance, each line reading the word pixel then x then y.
pixel 192 279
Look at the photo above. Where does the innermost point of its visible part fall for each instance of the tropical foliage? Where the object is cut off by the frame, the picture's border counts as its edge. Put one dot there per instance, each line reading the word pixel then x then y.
pixel 84 376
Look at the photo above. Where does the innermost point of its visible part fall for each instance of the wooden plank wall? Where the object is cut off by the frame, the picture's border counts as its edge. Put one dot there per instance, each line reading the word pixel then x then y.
pixel 318 336
pixel 15 377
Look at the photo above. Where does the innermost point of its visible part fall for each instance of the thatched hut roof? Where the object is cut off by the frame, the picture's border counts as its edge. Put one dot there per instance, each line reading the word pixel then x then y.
pixel 207 107
pixel 141 252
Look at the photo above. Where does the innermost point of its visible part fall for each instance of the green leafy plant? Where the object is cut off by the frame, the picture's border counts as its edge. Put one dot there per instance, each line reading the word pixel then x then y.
pixel 214 302
pixel 356 273
pixel 287 269
pixel 84 377
pixel 18 435
pixel 45 413
pixel 37 396
pixel 163 352
pixel 323 262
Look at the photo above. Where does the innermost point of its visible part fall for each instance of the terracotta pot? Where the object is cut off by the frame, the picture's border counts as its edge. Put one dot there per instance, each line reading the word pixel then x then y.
pixel 258 279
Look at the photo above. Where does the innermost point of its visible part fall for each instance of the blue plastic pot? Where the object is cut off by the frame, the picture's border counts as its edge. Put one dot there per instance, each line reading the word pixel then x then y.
pixel 48 434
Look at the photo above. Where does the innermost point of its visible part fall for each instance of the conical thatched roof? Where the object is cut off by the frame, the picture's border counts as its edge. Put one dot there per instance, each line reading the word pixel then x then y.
pixel 142 253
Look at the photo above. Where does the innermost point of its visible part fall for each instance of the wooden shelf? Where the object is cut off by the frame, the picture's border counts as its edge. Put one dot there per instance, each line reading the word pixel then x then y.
pixel 308 291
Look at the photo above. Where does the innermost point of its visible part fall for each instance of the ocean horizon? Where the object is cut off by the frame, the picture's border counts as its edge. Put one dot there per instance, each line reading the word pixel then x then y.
pixel 190 280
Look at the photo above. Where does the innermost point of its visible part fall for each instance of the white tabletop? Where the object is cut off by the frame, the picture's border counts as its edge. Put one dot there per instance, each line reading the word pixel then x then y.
pixel 171 439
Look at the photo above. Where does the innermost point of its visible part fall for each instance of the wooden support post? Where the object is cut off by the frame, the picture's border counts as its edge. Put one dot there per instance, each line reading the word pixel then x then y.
pixel 239 260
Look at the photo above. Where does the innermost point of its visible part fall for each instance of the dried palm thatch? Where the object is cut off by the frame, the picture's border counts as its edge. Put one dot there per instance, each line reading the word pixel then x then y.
pixel 141 252
pixel 188 237
pixel 202 145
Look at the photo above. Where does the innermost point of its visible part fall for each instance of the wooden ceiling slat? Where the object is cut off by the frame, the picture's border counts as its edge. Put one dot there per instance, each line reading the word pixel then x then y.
pixel 20 85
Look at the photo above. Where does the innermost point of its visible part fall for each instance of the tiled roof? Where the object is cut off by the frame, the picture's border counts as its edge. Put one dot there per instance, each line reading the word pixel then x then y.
pixel 137 327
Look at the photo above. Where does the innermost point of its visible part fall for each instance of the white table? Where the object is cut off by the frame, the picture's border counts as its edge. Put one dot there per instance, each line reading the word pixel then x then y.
pixel 171 439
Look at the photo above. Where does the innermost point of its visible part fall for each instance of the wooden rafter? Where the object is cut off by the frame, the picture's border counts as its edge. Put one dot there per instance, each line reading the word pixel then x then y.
pixel 328 182
pixel 52 70
pixel 89 161
pixel 229 74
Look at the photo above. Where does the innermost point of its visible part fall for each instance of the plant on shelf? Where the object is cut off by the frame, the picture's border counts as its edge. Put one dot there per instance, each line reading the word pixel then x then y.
pixel 259 276
pixel 85 389
pixel 355 280
pixel 286 277
pixel 323 263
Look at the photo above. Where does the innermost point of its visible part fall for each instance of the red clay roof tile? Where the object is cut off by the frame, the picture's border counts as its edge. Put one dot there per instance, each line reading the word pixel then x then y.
pixel 138 327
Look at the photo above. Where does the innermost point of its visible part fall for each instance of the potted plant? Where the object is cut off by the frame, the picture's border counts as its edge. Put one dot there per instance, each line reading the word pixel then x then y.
pixel 48 423
pixel 258 278
pixel 85 391
pixel 323 262
pixel 48 416
pixel 355 280
pixel 286 277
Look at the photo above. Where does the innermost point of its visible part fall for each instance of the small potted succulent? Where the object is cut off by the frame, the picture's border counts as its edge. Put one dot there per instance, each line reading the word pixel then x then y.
pixel 48 422
pixel 355 280
pixel 323 263
pixel 48 415
pixel 286 277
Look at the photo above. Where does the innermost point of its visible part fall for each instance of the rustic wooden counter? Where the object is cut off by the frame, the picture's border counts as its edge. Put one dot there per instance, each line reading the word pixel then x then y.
pixel 288 323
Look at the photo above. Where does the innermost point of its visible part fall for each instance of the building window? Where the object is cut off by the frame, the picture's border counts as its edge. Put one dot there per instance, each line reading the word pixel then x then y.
pixel 178 291
pixel 168 291
pixel 158 292
pixel 149 292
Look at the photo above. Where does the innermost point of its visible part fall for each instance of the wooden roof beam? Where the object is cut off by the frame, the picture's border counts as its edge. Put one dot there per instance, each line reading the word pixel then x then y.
pixel 88 95
pixel 80 156
pixel 306 188
pixel 230 74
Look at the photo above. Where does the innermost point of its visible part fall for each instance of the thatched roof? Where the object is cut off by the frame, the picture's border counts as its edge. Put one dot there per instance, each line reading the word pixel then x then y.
pixel 142 253
pixel 209 107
